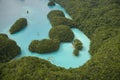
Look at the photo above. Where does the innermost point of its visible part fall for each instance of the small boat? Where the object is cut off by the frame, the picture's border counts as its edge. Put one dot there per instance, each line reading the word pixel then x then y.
pixel 27 11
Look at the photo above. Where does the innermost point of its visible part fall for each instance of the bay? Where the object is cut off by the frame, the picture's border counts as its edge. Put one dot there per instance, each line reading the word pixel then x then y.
pixel 38 29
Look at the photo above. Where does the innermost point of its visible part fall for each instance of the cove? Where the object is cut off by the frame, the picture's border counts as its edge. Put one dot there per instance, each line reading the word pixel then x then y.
pixel 38 28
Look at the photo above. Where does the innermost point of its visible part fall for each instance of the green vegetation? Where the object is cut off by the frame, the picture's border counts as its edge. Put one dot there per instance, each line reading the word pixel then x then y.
pixel 57 13
pixel 8 48
pixel 62 33
pixel 18 25
pixel 76 52
pixel 51 3
pixel 78 46
pixel 32 68
pixel 3 36
pixel 93 14
pixel 100 21
pixel 57 17
pixel 44 46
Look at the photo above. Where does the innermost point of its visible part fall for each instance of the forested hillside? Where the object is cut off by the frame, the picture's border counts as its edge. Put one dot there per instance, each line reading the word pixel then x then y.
pixel 100 21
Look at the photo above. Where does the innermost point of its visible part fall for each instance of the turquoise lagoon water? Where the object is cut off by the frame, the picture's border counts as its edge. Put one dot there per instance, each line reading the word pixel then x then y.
pixel 38 28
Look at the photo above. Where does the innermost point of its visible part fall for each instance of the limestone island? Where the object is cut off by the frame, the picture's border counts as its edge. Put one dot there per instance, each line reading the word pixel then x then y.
pixel 62 33
pixel 51 3
pixel 57 17
pixel 57 13
pixel 8 48
pixel 78 46
pixel 18 25
pixel 44 46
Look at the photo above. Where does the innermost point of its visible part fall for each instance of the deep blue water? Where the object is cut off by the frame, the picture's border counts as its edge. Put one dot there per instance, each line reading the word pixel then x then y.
pixel 38 28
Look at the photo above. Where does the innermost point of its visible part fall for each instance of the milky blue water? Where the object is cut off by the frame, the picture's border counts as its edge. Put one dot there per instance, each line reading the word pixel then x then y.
pixel 38 28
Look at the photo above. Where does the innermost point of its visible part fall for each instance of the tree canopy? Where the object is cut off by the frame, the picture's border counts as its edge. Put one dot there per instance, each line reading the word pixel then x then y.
pixel 18 25
pixel 8 48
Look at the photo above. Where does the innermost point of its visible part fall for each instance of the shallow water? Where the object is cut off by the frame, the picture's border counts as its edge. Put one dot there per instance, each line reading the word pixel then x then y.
pixel 38 28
